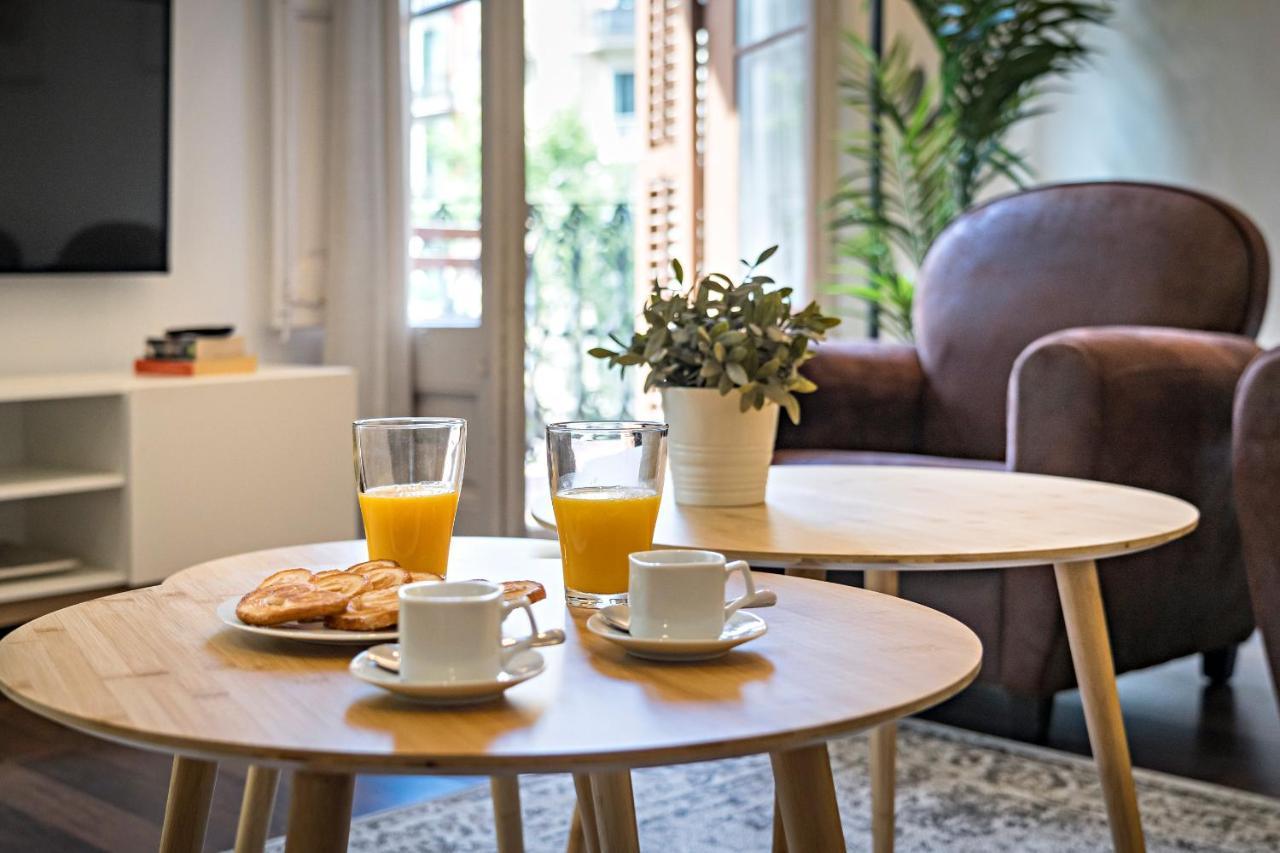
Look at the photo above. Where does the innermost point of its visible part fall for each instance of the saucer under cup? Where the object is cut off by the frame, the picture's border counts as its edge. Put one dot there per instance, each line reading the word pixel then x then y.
pixel 520 667
pixel 741 627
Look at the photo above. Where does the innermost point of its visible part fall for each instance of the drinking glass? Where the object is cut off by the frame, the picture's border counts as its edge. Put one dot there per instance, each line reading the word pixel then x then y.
pixel 410 473
pixel 606 484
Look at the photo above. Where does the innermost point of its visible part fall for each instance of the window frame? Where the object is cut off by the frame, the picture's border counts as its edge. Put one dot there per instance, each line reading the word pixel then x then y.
pixel 722 135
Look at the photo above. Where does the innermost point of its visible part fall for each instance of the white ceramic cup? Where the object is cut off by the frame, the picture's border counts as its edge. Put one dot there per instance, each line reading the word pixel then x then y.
pixel 452 631
pixel 679 594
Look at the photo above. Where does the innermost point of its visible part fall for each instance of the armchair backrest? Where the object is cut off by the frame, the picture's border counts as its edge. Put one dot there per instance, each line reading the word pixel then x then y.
pixel 1062 256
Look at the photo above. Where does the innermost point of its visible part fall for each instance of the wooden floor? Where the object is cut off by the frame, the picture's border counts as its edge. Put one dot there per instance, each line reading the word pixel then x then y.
pixel 62 791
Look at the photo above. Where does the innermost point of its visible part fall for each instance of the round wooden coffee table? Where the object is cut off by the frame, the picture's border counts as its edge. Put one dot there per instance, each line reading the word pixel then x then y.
pixel 883 520
pixel 154 668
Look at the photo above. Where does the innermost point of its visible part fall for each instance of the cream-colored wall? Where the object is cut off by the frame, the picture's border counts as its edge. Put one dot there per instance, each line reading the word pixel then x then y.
pixel 220 206
pixel 1182 91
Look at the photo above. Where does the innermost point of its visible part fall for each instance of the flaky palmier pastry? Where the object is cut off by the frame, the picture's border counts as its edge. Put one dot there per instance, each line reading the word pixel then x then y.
pixel 419 577
pixel 532 590
pixel 369 611
pixel 285 576
pixel 361 568
pixel 346 583
pixel 382 577
pixel 289 602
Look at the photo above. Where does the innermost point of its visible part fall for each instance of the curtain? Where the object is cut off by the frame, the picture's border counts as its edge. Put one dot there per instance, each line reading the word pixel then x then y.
pixel 366 326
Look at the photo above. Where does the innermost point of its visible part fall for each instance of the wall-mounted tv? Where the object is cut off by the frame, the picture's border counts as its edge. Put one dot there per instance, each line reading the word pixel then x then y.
pixel 84 136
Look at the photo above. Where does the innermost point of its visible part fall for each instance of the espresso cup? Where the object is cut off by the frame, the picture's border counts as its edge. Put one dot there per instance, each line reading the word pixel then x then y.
pixel 679 595
pixel 452 631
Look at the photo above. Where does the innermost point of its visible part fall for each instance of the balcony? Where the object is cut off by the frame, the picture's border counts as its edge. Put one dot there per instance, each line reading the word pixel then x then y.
pixel 612 29
pixel 580 288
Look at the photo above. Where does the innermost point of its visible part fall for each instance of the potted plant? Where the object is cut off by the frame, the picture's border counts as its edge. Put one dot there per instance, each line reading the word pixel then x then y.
pixel 725 357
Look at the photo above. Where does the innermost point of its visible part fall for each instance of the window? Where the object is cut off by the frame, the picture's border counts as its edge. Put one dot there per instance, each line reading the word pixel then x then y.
pixel 772 69
pixel 434 81
pixel 624 93
pixel 444 165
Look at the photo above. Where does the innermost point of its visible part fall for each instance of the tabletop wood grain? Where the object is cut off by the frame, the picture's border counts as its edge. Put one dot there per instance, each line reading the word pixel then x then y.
pixel 926 518
pixel 155 668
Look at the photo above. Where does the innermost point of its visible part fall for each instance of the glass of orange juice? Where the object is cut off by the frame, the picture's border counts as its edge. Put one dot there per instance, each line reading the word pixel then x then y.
pixel 410 473
pixel 606 484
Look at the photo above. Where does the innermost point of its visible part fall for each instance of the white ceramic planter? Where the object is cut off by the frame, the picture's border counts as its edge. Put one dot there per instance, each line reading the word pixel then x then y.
pixel 719 455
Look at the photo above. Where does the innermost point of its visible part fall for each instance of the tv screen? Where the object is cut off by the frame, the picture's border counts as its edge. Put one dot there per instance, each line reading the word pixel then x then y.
pixel 84 135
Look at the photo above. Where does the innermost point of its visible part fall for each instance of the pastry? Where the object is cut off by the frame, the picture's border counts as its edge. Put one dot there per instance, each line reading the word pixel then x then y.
pixel 289 602
pixel 532 590
pixel 360 568
pixel 369 611
pixel 346 583
pixel 285 576
pixel 382 577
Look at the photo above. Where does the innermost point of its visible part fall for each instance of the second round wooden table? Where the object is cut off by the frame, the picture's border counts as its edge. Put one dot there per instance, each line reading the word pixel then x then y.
pixel 883 520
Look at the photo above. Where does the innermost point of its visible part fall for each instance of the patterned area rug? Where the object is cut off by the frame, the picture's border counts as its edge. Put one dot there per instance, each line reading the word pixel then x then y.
pixel 957 791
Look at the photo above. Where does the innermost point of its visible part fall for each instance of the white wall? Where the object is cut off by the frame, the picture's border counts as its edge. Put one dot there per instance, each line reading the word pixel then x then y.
pixel 220 206
pixel 1184 91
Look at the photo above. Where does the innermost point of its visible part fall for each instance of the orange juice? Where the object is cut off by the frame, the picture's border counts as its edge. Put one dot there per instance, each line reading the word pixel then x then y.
pixel 599 528
pixel 410 523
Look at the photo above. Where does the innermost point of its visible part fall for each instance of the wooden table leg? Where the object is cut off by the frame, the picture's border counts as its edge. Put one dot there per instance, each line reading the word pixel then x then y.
pixel 882 745
pixel 588 833
pixel 505 791
pixel 186 812
pixel 807 796
pixel 779 831
pixel 1081 599
pixel 319 812
pixel 577 839
pixel 255 809
pixel 615 812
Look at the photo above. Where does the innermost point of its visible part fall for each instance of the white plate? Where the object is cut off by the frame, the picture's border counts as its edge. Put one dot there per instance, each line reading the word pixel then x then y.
pixel 740 628
pixel 307 632
pixel 522 667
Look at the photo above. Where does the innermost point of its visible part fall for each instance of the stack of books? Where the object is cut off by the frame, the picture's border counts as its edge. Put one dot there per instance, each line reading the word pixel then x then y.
pixel 196 352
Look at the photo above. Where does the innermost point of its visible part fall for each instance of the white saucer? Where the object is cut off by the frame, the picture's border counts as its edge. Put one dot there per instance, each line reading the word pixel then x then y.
pixel 522 667
pixel 307 632
pixel 740 628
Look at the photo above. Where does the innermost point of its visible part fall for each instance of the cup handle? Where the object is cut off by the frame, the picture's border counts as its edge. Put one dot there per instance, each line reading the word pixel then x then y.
pixel 739 566
pixel 523 643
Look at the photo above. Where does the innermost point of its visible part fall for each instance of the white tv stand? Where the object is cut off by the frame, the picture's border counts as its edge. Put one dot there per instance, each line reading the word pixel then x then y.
pixel 139 477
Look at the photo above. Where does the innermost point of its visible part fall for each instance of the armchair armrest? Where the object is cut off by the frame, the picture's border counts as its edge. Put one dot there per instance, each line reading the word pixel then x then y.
pixel 1142 406
pixel 868 398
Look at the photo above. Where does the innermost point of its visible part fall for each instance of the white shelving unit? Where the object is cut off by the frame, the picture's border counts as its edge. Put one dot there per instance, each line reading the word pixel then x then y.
pixel 138 477
pixel 31 482
pixel 83 579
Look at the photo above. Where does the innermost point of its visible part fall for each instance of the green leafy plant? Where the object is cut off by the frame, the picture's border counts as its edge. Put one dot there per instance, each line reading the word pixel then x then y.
pixel 941 140
pixel 729 336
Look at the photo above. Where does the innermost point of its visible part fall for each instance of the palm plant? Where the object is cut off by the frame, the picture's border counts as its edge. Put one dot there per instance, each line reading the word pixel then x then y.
pixel 932 145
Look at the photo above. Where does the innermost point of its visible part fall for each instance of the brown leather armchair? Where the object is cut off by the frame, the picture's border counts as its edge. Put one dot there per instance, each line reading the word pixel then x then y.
pixel 1257 482
pixel 1090 330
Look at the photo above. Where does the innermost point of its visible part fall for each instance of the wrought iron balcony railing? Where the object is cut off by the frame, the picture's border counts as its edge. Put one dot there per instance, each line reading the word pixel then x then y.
pixel 580 288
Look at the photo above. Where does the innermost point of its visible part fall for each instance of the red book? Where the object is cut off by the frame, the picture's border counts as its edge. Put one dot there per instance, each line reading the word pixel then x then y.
pixel 199 367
